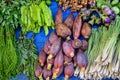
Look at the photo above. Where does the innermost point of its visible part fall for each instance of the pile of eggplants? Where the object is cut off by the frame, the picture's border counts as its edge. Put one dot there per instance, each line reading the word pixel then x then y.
pixel 61 53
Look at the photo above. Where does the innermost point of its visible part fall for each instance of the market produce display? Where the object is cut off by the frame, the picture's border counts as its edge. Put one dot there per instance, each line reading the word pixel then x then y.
pixel 80 37
pixel 62 54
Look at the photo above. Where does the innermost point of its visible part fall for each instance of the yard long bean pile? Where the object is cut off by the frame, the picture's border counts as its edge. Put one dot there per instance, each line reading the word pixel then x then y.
pixel 36 15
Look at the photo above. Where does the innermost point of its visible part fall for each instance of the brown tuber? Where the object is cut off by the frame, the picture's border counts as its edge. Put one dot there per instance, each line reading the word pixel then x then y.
pixel 81 60
pixel 68 71
pixel 47 73
pixel 84 45
pixel 69 21
pixel 55 48
pixel 58 62
pixel 68 49
pixel 63 31
pixel 86 30
pixel 38 71
pixel 67 59
pixel 42 58
pixel 58 18
pixel 76 43
pixel 77 27
pixel 56 73
pixel 53 37
pixel 47 46
pixel 50 62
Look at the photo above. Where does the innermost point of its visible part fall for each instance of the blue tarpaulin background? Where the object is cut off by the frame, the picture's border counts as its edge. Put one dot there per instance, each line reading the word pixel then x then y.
pixel 40 39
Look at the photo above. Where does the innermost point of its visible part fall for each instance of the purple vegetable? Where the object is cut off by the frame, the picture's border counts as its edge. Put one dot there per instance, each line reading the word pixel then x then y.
pixel 82 60
pixel 112 15
pixel 107 20
pixel 107 10
pixel 87 12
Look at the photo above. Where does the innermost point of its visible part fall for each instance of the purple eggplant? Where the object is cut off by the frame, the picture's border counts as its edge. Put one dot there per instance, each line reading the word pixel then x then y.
pixel 107 10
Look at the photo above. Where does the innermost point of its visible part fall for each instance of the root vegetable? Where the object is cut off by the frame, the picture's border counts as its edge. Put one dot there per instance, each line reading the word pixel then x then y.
pixel 81 60
pixel 50 63
pixel 55 48
pixel 42 58
pixel 38 71
pixel 47 73
pixel 68 49
pixel 58 63
pixel 58 18
pixel 84 2
pixel 68 71
pixel 69 21
pixel 63 31
pixel 76 43
pixel 84 45
pixel 86 30
pixel 77 27
pixel 53 37
pixel 57 73
pixel 47 46
pixel 67 59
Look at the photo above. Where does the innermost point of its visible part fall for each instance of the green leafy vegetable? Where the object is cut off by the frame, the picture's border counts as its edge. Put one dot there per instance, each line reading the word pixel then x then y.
pixel 27 53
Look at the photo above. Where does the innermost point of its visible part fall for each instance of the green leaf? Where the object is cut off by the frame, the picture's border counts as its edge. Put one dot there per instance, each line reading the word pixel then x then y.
pixel 114 2
pixel 116 9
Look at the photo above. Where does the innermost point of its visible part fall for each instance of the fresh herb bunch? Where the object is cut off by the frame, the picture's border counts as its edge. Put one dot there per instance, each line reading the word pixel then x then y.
pixel 27 53
pixel 9 21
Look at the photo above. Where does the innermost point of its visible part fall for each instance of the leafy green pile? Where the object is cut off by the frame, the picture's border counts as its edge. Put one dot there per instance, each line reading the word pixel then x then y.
pixel 9 21
pixel 34 16
pixel 27 53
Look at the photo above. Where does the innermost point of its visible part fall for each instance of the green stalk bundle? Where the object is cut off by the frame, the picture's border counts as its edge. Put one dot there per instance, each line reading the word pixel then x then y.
pixel 103 52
